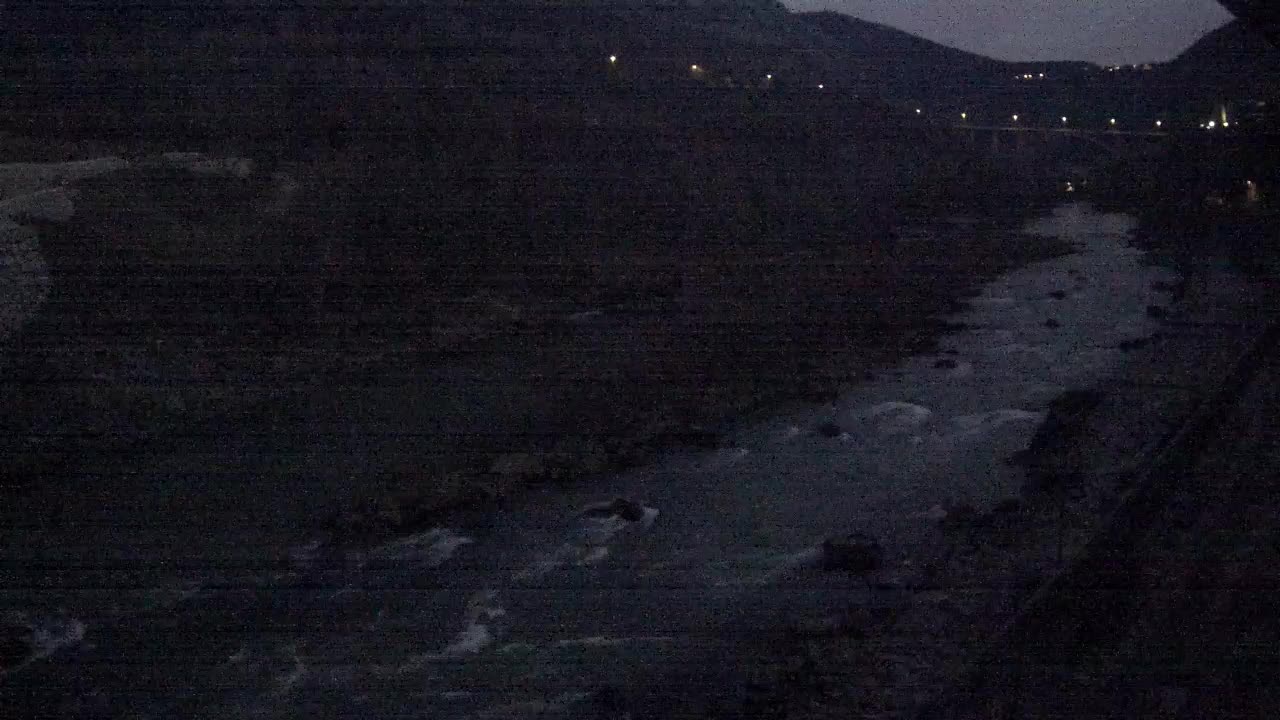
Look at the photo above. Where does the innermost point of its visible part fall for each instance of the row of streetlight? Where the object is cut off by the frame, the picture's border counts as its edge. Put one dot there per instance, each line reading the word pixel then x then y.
pixel 1065 120
pixel 613 59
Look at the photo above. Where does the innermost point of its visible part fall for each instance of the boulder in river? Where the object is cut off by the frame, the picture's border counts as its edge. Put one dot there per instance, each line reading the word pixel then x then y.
pixel 829 429
pixel 628 510
pixel 857 553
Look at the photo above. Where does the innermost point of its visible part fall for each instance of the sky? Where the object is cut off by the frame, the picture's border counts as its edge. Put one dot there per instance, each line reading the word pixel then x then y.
pixel 1101 31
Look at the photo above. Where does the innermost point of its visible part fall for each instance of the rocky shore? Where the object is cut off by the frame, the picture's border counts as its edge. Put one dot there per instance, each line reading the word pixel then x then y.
pixel 957 641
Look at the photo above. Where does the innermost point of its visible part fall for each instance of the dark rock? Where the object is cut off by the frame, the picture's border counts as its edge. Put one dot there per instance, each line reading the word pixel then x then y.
pixel 1128 345
pixel 628 510
pixel 1052 324
pixel 1157 312
pixel 15 646
pixel 1007 506
pixel 829 429
pixel 945 364
pixel 958 516
pixel 857 553
pixel 1058 294
pixel 1066 417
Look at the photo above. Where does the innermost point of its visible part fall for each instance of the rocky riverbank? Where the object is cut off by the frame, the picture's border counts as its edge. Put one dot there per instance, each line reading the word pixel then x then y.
pixel 910 656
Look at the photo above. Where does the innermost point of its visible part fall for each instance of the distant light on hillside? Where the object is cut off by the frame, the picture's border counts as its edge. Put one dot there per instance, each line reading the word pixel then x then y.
pixel 769 76
pixel 1212 124
pixel 821 86
pixel 1041 76
pixel 1015 118
pixel 918 111
pixel 693 68
pixel 1112 121
pixel 1064 119
pixel 613 58
pixel 964 116
pixel 1159 123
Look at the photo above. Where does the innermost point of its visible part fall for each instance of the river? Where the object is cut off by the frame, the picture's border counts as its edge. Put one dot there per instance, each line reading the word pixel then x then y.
pixel 532 609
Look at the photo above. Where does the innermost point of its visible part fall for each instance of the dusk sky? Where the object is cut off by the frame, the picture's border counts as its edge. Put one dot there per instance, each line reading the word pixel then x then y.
pixel 1102 31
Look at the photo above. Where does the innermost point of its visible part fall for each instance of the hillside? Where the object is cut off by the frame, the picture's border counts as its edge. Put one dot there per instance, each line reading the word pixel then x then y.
pixel 141 73
pixel 1235 58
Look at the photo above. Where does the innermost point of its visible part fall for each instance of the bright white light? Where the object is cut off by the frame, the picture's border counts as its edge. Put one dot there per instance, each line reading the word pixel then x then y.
pixel 1041 75
pixel 1212 124
pixel 918 111
pixel 1015 118
pixel 964 116
pixel 1159 123
pixel 769 76
pixel 693 68
pixel 1064 119
pixel 1226 124
pixel 1113 121
pixel 820 86
pixel 613 58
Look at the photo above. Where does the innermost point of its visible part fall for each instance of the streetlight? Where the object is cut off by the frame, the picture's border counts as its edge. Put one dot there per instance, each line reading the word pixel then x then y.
pixel 918 111
pixel 693 68
pixel 1064 119
pixel 964 116
pixel 1041 76
pixel 1113 121
pixel 1212 124
pixel 769 76
pixel 613 58
pixel 1159 123
pixel 1015 118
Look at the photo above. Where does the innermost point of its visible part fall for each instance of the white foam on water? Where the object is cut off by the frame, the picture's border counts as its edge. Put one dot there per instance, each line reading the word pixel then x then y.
pixel 37 190
pixel 304 555
pixel 431 548
pixel 594 556
pixel 981 424
pixel 725 457
pixel 46 634
pixel 198 163
pixel 473 639
pixel 781 566
pixel 894 417
pixel 287 682
pixel 477 634
pixel 604 641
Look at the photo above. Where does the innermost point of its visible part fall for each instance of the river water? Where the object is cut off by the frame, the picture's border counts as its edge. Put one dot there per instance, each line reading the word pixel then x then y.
pixel 529 610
